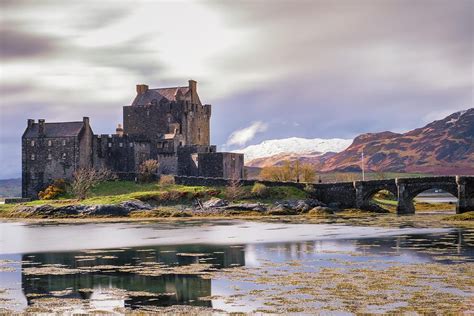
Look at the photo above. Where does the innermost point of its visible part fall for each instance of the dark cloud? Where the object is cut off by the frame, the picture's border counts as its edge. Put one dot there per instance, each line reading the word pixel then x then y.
pixel 17 44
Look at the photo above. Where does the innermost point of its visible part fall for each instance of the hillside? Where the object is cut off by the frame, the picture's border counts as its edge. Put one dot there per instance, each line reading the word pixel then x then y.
pixel 10 188
pixel 443 147
pixel 271 152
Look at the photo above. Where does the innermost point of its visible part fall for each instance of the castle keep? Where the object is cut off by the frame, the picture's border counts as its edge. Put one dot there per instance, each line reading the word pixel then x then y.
pixel 170 125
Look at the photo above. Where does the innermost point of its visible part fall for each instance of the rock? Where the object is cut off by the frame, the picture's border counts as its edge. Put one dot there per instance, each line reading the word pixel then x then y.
pixel 372 207
pixel 106 210
pixel 321 211
pixel 301 206
pixel 281 210
pixel 136 205
pixel 215 202
pixel 48 210
pixel 258 207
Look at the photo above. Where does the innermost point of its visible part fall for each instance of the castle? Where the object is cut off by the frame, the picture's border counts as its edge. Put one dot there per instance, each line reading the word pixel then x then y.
pixel 170 125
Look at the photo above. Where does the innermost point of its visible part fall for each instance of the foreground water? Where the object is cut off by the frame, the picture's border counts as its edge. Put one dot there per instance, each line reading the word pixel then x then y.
pixel 232 266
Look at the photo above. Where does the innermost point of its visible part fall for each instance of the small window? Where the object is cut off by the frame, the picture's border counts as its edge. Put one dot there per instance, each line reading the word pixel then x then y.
pixel 33 157
pixel 120 144
pixel 64 156
pixel 50 143
pixel 110 145
pixel 32 143
pixel 131 145
pixel 180 144
pixel 199 134
pixel 50 157
pixel 64 142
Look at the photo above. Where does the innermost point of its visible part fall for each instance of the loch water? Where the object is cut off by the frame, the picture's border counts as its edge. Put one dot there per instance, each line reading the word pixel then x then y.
pixel 99 263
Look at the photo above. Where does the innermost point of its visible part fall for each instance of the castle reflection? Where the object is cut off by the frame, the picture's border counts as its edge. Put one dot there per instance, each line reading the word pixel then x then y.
pixel 168 289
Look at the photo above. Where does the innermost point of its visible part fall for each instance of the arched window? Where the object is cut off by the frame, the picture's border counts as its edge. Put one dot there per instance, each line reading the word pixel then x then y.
pixel 50 143
pixel 32 143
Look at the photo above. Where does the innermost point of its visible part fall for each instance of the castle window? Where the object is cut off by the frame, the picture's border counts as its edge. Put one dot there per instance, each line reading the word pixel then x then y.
pixel 64 155
pixel 180 144
pixel 131 145
pixel 50 157
pixel 110 145
pixel 32 156
pixel 64 142
pixel 50 143
pixel 120 144
pixel 32 143
pixel 199 134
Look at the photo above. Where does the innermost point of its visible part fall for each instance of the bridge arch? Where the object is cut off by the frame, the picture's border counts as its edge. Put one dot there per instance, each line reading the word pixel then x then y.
pixel 408 189
pixel 365 190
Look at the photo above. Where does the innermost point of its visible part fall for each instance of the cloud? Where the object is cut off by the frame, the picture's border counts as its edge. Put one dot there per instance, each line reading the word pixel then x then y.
pixel 337 68
pixel 16 44
pixel 242 136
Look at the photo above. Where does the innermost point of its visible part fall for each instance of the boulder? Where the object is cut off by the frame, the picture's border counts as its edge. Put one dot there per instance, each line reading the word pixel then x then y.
pixel 258 207
pixel 136 205
pixel 215 202
pixel 372 207
pixel 281 209
pixel 106 210
pixel 301 206
pixel 321 211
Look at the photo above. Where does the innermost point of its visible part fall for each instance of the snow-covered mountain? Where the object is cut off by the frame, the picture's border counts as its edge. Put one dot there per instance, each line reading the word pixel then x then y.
pixel 294 145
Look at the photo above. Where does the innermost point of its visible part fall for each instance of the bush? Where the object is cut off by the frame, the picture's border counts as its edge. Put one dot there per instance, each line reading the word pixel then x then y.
pixel 234 190
pixel 166 179
pixel 147 170
pixel 259 190
pixel 54 190
pixel 309 188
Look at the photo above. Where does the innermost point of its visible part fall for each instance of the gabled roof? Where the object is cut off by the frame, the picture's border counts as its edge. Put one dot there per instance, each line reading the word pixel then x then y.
pixel 61 129
pixel 158 94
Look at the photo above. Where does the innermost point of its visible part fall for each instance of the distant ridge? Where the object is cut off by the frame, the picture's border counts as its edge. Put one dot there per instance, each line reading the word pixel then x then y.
pixel 442 147
pixel 292 146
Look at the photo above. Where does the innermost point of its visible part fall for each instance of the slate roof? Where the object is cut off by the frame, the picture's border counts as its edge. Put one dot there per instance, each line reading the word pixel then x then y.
pixel 158 94
pixel 62 129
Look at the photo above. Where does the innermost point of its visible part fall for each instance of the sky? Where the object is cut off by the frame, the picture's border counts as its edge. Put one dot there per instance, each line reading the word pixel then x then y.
pixel 271 69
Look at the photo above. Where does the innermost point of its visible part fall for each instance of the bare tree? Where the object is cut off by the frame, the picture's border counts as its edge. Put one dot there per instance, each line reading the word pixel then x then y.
pixel 234 189
pixel 87 178
pixel 147 170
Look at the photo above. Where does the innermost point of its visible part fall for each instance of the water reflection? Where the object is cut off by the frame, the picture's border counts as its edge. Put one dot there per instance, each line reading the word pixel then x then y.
pixel 97 274
pixel 168 289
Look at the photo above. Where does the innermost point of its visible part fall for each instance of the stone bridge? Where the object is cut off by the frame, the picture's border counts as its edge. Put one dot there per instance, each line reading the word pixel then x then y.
pixel 359 193
pixel 406 189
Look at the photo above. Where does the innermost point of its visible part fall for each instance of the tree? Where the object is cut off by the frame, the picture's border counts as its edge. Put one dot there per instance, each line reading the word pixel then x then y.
pixel 148 170
pixel 289 172
pixel 307 173
pixel 87 178
pixel 234 189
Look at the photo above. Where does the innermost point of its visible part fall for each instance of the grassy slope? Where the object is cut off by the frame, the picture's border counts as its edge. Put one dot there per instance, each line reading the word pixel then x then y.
pixel 119 191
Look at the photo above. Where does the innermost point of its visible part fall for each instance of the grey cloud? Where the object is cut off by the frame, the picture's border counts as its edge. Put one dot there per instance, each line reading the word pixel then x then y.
pixel 16 44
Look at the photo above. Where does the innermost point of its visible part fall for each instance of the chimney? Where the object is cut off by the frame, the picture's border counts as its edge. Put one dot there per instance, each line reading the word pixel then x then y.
pixel 193 87
pixel 119 130
pixel 31 122
pixel 41 127
pixel 142 88
pixel 85 119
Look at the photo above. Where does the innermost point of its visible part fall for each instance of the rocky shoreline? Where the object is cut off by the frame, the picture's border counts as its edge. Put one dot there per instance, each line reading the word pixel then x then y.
pixel 214 206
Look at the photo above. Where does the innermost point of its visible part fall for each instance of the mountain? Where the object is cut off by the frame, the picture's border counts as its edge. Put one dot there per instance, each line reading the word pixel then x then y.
pixel 274 151
pixel 442 147
pixel 10 188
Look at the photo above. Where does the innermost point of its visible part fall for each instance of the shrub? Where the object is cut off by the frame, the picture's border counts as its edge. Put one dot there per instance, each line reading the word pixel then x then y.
pixel 309 188
pixel 53 191
pixel 147 170
pixel 166 179
pixel 259 190
pixel 234 190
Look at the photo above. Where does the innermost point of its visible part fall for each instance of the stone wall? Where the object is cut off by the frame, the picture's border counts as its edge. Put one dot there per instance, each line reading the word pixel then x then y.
pixel 221 165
